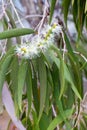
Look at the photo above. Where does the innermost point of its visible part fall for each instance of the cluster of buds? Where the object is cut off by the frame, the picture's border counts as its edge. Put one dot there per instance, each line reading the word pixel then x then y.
pixel 39 44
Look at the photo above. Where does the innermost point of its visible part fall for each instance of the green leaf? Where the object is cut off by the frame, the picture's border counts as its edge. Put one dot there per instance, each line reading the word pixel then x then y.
pixel 70 97
pixel 58 120
pixel 53 2
pixel 35 92
pixel 62 78
pixel 48 91
pixel 69 79
pixel 66 71
pixel 75 68
pixel 43 84
pixel 21 80
pixel 29 86
pixel 14 77
pixel 55 75
pixel 86 7
pixel 44 122
pixel 79 15
pixel 12 22
pixel 60 65
pixel 66 4
pixel 35 119
pixel 4 64
pixel 75 12
pixel 15 32
pixel 69 47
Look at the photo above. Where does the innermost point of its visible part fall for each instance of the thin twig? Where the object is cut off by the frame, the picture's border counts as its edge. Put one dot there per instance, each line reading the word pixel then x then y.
pixel 3 10
pixel 75 52
pixel 44 16
pixel 54 113
pixel 3 47
pixel 16 14
pixel 30 16
pixel 26 39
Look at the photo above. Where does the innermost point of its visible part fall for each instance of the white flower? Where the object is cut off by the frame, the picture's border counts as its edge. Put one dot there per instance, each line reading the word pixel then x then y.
pixel 41 46
pixel 39 43
pixel 32 51
pixel 22 50
pixel 27 51
pixel 57 30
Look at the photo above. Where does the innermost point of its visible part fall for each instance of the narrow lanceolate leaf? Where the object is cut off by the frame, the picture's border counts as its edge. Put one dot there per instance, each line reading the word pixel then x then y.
pixel 57 120
pixel 44 122
pixel 4 64
pixel 77 75
pixel 62 78
pixel 55 74
pixel 12 22
pixel 86 7
pixel 21 81
pixel 9 105
pixel 43 84
pixel 66 4
pixel 14 77
pixel 61 68
pixel 53 2
pixel 3 70
pixel 68 45
pixel 29 86
pixel 66 72
pixel 69 79
pixel 15 32
pixel 35 93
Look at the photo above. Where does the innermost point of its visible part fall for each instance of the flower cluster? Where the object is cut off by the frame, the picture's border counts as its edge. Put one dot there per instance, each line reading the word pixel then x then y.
pixel 39 44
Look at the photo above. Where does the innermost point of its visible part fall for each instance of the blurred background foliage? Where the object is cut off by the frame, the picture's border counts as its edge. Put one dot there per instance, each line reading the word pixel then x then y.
pixel 49 92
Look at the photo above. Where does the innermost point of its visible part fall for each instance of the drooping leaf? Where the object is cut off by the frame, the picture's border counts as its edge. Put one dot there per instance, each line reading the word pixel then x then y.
pixel 69 47
pixel 53 2
pixel 66 5
pixel 50 87
pixel 86 7
pixel 76 75
pixel 61 69
pixel 21 80
pixel 43 84
pixel 12 22
pixel 14 74
pixel 79 15
pixel 59 104
pixel 70 97
pixel 3 70
pixel 29 86
pixel 69 79
pixel 62 78
pixel 75 12
pixel 35 93
pixel 44 122
pixel 14 78
pixel 66 71
pixel 35 119
pixel 4 64
pixel 57 120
